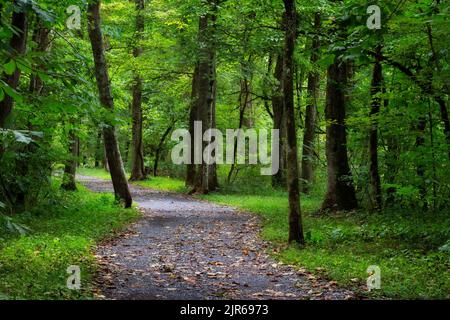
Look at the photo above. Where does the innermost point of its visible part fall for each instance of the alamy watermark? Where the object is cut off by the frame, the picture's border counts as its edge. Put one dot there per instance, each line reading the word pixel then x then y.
pixel 374 21
pixel 374 279
pixel 74 280
pixel 213 153
pixel 74 21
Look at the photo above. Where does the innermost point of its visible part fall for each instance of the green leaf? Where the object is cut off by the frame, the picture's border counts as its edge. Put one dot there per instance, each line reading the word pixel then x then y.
pixel 12 93
pixel 10 67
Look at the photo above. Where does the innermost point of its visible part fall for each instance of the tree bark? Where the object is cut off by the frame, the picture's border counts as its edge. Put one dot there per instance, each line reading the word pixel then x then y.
pixel 160 148
pixel 137 153
pixel 191 169
pixel 18 45
pixel 376 90
pixel 117 171
pixel 99 153
pixel 244 121
pixel 311 115
pixel 341 193
pixel 70 167
pixel 41 38
pixel 295 219
pixel 279 179
pixel 206 180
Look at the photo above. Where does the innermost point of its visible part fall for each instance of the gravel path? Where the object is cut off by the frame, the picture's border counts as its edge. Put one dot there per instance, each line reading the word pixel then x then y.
pixel 186 249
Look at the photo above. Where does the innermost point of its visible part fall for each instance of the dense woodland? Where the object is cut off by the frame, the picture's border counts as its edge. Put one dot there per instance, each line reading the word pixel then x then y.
pixel 362 114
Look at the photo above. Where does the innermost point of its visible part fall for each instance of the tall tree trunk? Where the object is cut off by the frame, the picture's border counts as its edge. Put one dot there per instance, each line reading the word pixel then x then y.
pixel 341 193
pixel 18 44
pixel 191 170
pixel 279 179
pixel 376 90
pixel 70 167
pixel 295 218
pixel 137 153
pixel 311 114
pixel 117 171
pixel 206 180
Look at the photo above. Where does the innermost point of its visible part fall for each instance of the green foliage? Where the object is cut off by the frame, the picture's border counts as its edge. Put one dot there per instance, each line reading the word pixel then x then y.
pixel 62 231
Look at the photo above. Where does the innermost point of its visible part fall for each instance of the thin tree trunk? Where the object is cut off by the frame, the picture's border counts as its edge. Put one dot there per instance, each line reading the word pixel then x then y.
pixel 70 167
pixel 392 158
pixel 341 193
pixel 98 150
pixel 18 44
pixel 279 179
pixel 244 103
pixel 137 153
pixel 295 218
pixel 311 115
pixel 376 90
pixel 117 171
pixel 191 170
pixel 160 149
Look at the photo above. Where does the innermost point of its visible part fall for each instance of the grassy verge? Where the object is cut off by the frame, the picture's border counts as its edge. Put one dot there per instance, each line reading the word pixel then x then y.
pixel 411 248
pixel 62 233
pixel 158 183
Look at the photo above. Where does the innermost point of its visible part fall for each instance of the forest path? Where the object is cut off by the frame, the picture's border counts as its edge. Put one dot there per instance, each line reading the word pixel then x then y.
pixel 186 249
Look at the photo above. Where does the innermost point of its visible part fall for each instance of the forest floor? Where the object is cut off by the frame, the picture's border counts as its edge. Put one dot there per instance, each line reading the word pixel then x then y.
pixel 185 248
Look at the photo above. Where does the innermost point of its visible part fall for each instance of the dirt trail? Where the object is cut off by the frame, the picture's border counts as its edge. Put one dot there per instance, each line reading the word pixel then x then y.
pixel 183 248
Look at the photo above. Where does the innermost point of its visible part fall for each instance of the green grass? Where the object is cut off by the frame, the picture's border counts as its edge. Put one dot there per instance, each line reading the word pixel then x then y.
pixel 408 246
pixel 163 184
pixel 97 173
pixel 157 183
pixel 63 232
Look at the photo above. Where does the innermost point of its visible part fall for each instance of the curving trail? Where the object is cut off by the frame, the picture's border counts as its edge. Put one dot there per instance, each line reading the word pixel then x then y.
pixel 183 248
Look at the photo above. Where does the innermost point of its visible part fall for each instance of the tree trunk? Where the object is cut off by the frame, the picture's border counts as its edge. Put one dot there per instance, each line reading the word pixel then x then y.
pixel 376 90
pixel 160 149
pixel 191 170
pixel 137 153
pixel 295 219
pixel 41 37
pixel 99 153
pixel 244 121
pixel 18 44
pixel 70 167
pixel 279 179
pixel 206 180
pixel 311 115
pixel 341 193
pixel 117 171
